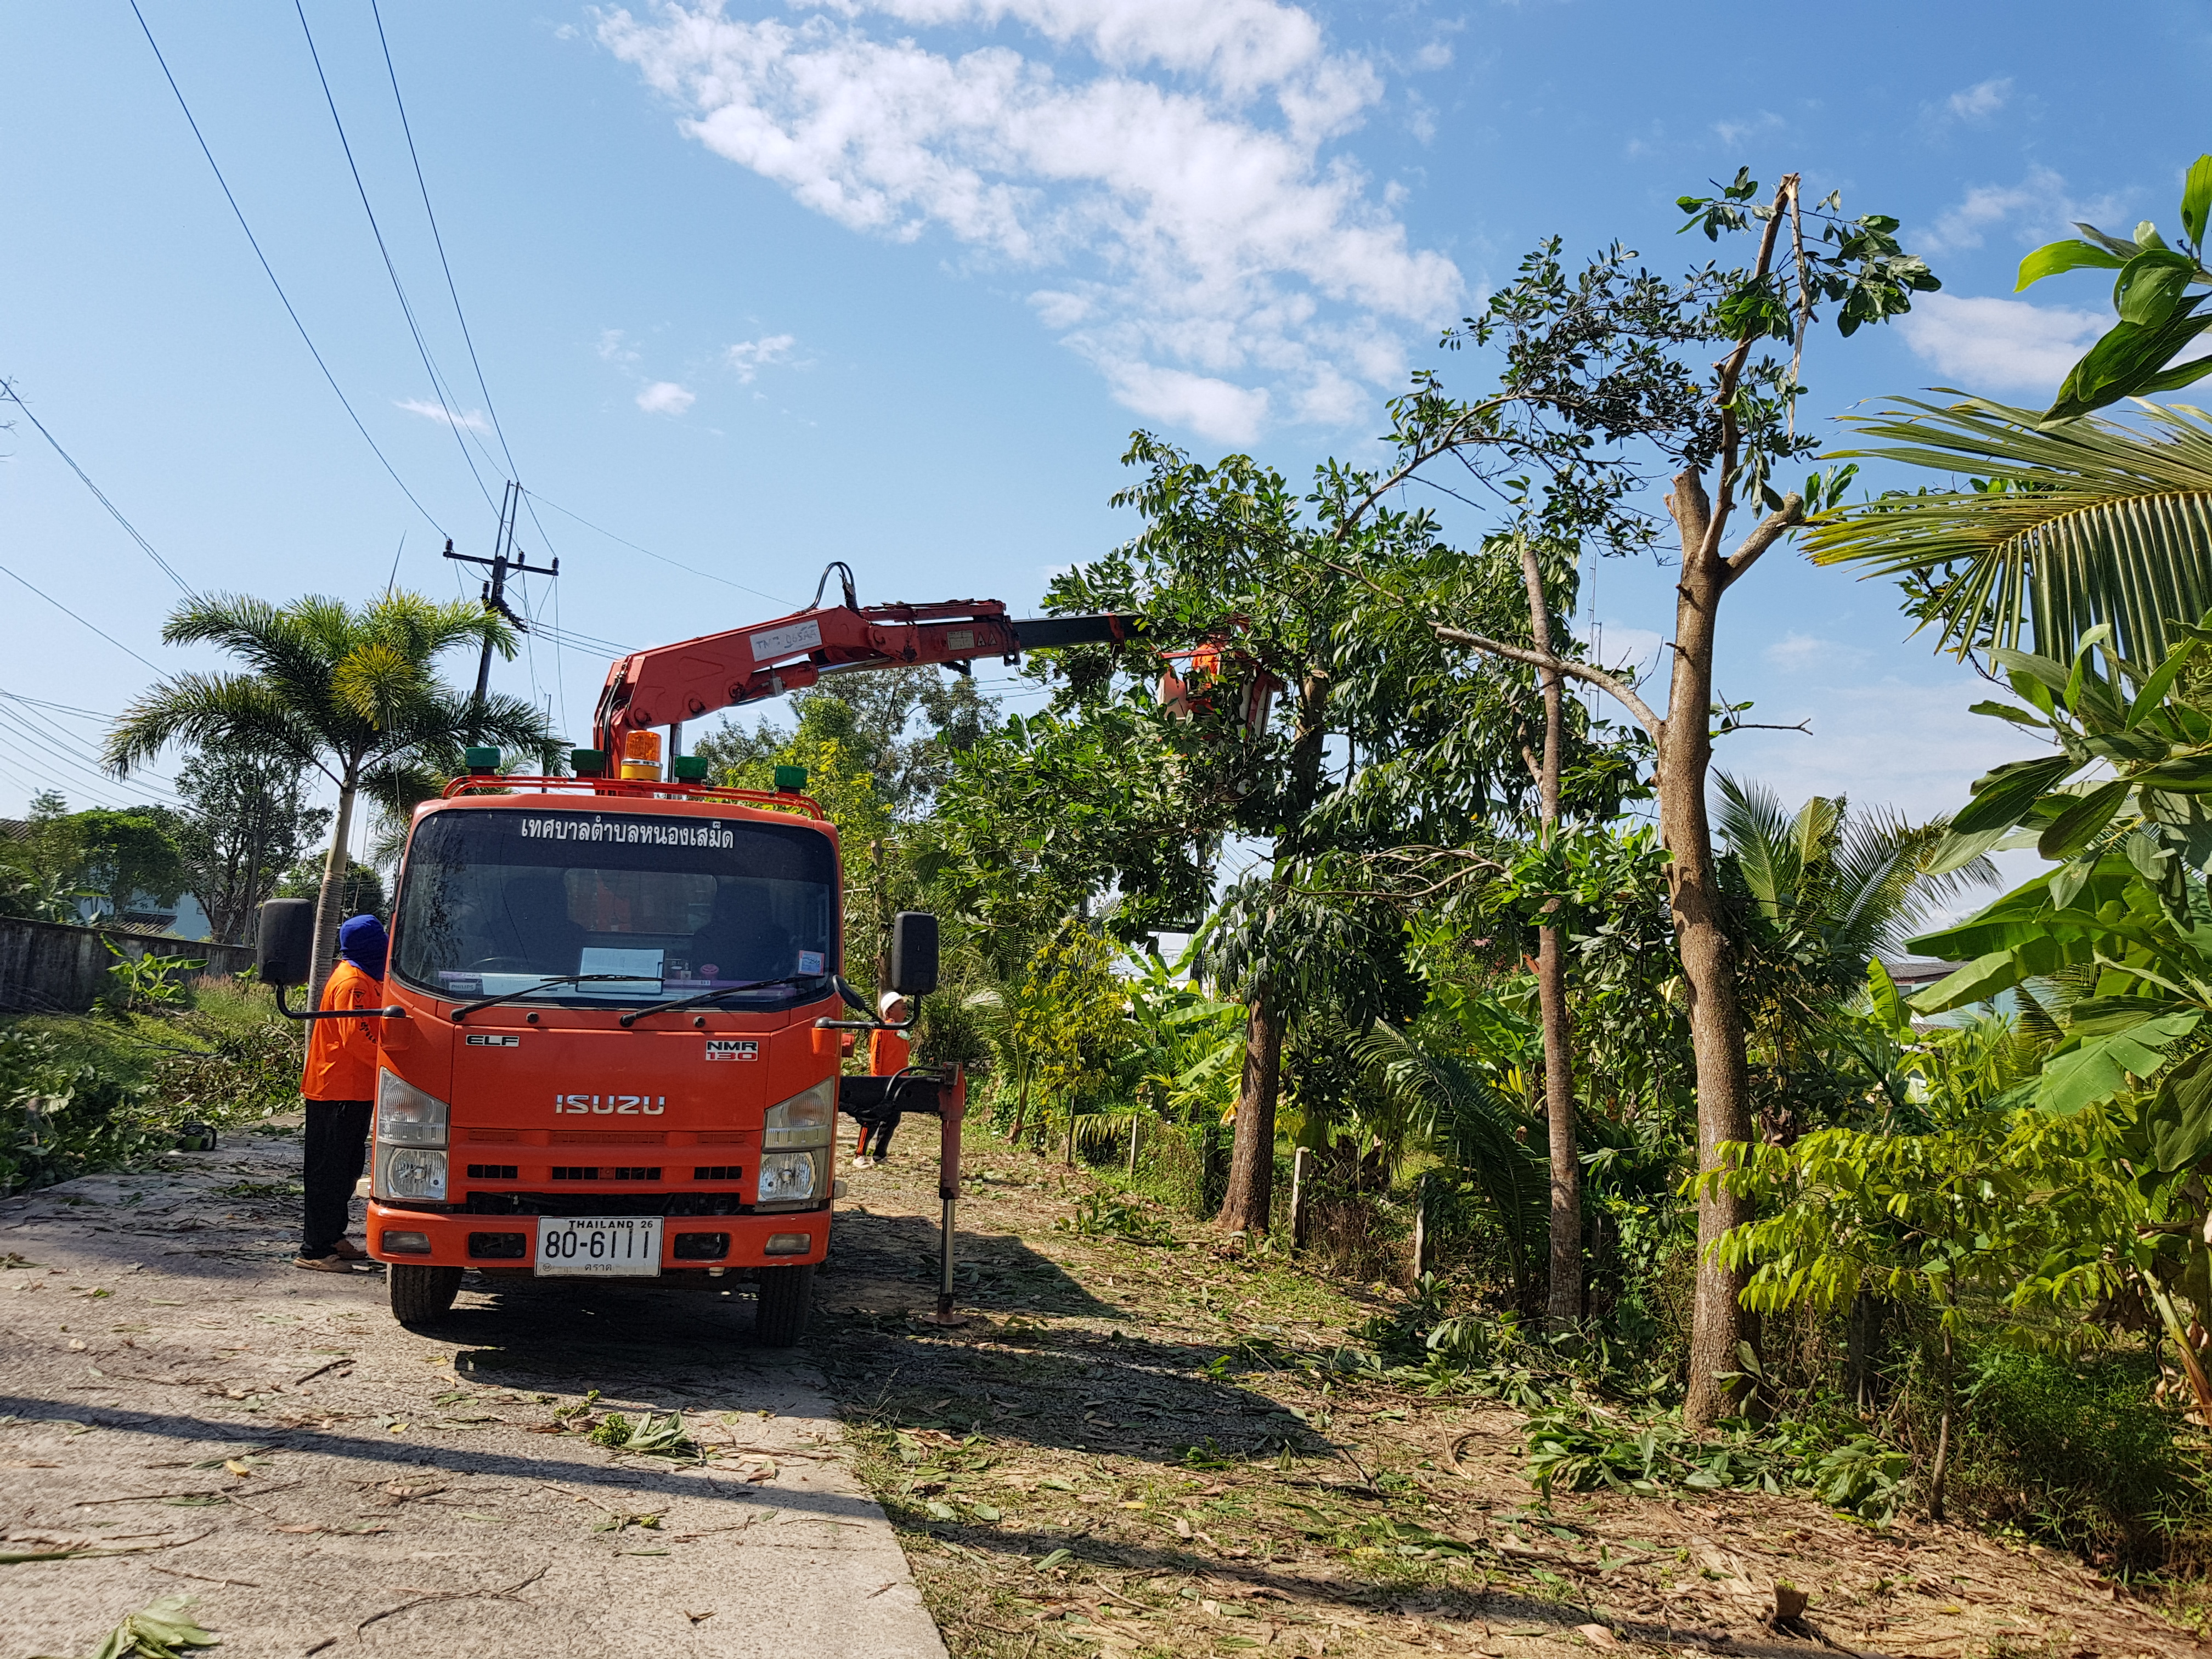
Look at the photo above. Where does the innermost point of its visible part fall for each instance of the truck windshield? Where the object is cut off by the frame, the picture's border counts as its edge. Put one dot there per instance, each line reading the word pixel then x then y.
pixel 501 902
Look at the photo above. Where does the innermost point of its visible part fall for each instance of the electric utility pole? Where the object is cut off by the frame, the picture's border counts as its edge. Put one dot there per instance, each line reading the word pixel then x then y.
pixel 503 559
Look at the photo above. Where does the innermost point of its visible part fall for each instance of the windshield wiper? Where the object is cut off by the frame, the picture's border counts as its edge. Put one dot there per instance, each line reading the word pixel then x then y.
pixel 637 1014
pixel 468 1008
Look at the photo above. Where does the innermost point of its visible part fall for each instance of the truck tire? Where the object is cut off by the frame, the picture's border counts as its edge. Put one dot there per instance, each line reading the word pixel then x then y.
pixel 786 1296
pixel 422 1296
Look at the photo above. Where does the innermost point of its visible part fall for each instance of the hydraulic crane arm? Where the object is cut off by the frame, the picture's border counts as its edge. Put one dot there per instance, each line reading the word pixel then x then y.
pixel 671 683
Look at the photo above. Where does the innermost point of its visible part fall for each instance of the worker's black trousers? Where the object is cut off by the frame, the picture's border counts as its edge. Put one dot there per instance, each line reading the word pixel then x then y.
pixel 338 1130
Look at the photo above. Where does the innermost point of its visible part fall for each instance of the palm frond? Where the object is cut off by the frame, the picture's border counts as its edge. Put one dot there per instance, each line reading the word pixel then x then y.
pixel 2096 522
pixel 210 711
pixel 1480 1124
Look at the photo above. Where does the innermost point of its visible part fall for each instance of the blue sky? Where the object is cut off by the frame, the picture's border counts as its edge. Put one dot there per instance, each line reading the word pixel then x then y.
pixel 759 285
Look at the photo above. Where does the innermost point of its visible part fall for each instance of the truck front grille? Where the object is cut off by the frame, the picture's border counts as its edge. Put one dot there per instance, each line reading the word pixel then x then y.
pixel 580 1204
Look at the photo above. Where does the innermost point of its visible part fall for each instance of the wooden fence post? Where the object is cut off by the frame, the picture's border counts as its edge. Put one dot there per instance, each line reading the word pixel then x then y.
pixel 1421 1223
pixel 1136 1123
pixel 1071 1135
pixel 1299 1198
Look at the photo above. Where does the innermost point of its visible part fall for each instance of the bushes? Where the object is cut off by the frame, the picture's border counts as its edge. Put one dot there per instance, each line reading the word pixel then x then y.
pixel 80 1094
pixel 2079 1452
pixel 62 1117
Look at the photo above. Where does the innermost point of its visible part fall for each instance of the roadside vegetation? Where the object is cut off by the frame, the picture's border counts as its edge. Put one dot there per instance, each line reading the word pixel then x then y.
pixel 1358 971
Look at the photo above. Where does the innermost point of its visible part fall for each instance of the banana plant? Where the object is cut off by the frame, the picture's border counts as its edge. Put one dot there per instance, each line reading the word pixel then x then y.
pixel 2159 319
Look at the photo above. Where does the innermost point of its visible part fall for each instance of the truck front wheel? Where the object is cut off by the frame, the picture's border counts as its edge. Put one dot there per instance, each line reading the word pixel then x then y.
pixel 422 1296
pixel 786 1295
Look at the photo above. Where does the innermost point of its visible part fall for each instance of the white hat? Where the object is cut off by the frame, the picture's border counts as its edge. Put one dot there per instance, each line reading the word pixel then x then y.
pixel 885 1002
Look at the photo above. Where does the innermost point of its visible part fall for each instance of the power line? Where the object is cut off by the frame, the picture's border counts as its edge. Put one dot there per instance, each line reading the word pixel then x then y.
pixel 650 553
pixel 431 214
pixel 74 617
pixel 66 744
pixel 7 390
pixel 270 273
pixel 437 386
pixel 59 708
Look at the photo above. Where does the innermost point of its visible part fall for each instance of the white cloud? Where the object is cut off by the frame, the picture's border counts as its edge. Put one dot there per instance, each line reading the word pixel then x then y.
pixel 1797 652
pixel 1984 343
pixel 666 398
pixel 1165 161
pixel 1615 644
pixel 1911 747
pixel 748 357
pixel 2038 202
pixel 615 348
pixel 1733 133
pixel 1979 101
pixel 472 419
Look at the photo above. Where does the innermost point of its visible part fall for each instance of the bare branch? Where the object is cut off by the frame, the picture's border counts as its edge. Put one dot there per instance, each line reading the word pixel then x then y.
pixel 1769 531
pixel 1732 373
pixel 1619 689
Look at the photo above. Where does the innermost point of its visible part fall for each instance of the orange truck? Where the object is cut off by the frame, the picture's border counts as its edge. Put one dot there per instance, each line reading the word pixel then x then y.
pixel 610 1048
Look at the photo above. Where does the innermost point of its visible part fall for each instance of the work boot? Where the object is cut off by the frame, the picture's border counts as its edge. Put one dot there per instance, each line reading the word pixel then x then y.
pixel 332 1263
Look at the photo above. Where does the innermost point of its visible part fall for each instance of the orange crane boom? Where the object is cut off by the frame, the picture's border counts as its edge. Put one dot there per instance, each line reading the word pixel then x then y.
pixel 669 684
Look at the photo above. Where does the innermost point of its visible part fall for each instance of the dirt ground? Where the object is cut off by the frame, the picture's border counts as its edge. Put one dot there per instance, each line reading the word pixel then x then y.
pixel 182 1410
pixel 1120 1454
pixel 1127 1450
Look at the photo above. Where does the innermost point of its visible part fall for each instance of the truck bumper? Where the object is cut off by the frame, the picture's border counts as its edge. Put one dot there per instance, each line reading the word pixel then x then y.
pixel 510 1241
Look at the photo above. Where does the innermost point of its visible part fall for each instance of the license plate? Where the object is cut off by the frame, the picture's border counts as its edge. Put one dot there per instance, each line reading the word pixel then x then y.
pixel 599 1247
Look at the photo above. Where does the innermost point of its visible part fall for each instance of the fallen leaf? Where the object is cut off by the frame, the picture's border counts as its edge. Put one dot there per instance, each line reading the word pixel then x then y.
pixel 1790 1603
pixel 1598 1636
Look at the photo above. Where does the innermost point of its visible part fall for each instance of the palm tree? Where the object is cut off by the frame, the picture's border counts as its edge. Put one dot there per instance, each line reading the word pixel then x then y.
pixel 350 692
pixel 1821 891
pixel 2089 522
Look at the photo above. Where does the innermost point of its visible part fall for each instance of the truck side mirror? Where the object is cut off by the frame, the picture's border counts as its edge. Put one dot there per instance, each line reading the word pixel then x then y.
pixel 284 944
pixel 914 953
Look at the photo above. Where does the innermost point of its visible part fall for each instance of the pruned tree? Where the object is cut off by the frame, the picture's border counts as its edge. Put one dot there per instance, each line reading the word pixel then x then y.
pixel 1605 387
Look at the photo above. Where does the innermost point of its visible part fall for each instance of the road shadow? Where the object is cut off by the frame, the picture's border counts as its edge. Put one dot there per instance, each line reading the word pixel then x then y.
pixel 1016 1373
pixel 885 1262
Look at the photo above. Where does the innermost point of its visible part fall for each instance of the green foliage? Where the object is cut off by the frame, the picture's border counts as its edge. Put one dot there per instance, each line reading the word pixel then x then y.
pixel 244 822
pixel 1067 1016
pixel 1103 1215
pixel 652 1435
pixel 2062 531
pixel 161 1630
pixel 61 1116
pixel 1575 1446
pixel 351 692
pixel 148 983
pixel 2080 1452
pixel 109 857
pixel 2158 320
pixel 360 891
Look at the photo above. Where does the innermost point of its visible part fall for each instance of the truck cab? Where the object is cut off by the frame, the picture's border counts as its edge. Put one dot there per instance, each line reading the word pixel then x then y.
pixel 599 1057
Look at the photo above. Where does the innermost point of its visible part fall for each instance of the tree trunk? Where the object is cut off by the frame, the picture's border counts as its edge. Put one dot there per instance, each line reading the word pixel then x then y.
pixel 329 901
pixel 1718 1325
pixel 1865 1343
pixel 1249 1204
pixel 1565 1305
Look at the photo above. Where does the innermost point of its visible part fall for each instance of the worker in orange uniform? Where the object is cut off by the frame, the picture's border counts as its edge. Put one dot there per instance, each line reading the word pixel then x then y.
pixel 890 1053
pixel 339 1084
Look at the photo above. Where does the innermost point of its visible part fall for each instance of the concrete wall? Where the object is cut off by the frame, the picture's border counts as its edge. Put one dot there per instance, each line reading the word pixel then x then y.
pixel 53 967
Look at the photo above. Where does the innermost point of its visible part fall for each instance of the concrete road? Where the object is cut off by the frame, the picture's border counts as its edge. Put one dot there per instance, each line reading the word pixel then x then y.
pixel 176 1397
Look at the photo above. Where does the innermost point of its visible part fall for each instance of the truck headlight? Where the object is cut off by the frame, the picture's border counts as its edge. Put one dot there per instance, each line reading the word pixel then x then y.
pixel 786 1177
pixel 405 1117
pixel 418 1172
pixel 807 1119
